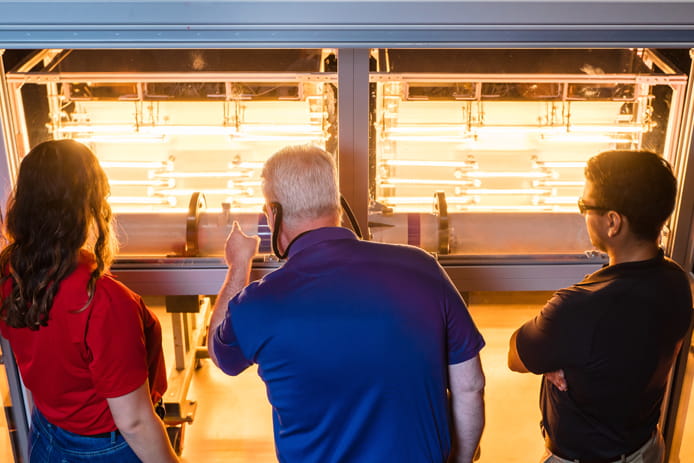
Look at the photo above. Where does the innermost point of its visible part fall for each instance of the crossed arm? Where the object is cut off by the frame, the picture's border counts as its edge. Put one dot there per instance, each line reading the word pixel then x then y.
pixel 515 363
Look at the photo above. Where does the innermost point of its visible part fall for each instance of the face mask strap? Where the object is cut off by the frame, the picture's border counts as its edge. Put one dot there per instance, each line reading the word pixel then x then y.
pixel 350 215
pixel 277 214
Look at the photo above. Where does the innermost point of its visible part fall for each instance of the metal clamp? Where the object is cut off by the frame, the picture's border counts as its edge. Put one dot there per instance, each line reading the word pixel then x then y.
pixel 441 210
pixel 196 204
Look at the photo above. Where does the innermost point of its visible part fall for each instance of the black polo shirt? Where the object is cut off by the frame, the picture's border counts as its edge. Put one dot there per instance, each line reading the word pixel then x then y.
pixel 615 334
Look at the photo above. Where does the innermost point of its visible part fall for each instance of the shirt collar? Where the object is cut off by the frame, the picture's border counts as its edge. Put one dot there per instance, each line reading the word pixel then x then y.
pixel 610 272
pixel 318 235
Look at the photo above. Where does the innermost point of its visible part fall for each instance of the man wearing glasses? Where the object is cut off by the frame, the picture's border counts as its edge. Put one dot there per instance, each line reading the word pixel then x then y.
pixel 606 345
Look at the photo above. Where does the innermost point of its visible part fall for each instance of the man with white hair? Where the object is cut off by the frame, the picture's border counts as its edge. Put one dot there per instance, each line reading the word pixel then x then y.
pixel 367 349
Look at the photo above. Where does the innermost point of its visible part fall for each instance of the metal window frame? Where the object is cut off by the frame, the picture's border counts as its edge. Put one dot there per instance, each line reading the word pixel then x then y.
pixel 353 27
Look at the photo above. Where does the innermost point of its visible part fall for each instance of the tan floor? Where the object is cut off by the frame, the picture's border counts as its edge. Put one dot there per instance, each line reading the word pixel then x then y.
pixel 233 418
pixel 233 422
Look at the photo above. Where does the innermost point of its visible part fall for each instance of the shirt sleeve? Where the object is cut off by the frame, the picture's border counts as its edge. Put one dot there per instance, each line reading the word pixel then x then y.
pixel 156 365
pixel 116 341
pixel 463 338
pixel 227 349
pixel 554 339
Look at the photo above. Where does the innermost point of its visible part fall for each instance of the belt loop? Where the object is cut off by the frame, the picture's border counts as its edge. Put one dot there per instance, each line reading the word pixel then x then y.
pixel 114 436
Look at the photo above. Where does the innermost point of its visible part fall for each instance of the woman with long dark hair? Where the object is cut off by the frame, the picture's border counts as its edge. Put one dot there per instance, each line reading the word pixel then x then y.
pixel 87 347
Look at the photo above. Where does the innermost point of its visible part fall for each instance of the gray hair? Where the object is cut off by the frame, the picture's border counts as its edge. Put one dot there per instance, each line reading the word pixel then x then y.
pixel 303 179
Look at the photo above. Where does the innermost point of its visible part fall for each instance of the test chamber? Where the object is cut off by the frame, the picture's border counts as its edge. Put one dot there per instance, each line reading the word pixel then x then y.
pixel 476 156
pixel 479 154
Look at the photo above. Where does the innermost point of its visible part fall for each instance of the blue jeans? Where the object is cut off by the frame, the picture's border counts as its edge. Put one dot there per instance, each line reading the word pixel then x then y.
pixel 50 444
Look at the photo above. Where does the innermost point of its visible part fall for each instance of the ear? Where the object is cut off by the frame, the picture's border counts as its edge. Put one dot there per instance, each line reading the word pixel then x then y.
pixel 615 223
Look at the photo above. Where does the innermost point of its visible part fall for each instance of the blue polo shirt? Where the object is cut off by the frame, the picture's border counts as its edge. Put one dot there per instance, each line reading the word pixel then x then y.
pixel 353 340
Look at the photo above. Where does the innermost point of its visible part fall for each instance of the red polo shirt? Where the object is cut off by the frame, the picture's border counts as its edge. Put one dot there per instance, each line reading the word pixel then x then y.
pixel 84 356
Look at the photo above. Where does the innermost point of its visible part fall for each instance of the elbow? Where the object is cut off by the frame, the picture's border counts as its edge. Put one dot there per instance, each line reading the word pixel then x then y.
pixel 131 425
pixel 233 364
pixel 232 371
pixel 514 361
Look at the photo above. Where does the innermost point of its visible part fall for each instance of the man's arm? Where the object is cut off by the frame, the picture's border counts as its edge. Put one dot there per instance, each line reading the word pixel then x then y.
pixel 514 361
pixel 516 364
pixel 466 383
pixel 239 251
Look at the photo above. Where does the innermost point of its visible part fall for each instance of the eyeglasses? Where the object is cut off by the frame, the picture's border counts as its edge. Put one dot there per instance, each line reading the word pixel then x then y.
pixel 583 207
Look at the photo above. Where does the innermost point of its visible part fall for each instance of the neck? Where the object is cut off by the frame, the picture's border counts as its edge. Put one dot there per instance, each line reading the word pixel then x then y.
pixel 633 252
pixel 289 233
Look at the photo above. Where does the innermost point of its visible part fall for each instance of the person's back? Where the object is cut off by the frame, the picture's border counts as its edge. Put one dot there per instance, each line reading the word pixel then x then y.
pixel 61 312
pixel 73 350
pixel 350 338
pixel 359 344
pixel 606 345
pixel 625 322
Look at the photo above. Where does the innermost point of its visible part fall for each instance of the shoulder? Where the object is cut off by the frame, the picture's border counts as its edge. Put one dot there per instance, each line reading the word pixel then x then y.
pixel 573 301
pixel 109 289
pixel 398 253
pixel 256 292
pixel 677 272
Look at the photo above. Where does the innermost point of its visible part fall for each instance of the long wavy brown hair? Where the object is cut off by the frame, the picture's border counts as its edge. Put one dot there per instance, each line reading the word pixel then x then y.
pixel 59 202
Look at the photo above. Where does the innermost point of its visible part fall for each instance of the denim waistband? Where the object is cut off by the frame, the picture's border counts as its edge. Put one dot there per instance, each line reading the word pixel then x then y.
pixel 101 435
pixel 38 416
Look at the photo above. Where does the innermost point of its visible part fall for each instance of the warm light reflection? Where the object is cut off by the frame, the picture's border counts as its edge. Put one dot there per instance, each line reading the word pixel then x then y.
pixel 294 138
pixel 153 183
pixel 233 183
pixel 142 200
pixel 579 138
pixel 488 174
pixel 246 201
pixel 191 129
pixel 403 200
pixel 207 191
pixel 433 128
pixel 97 128
pixel 136 164
pixel 559 200
pixel 519 208
pixel 245 165
pixel 431 138
pixel 558 164
pixel 408 163
pixel 506 191
pixel 558 183
pixel 122 139
pixel 306 129
pixel 424 128
pixel 200 174
pixel 418 181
